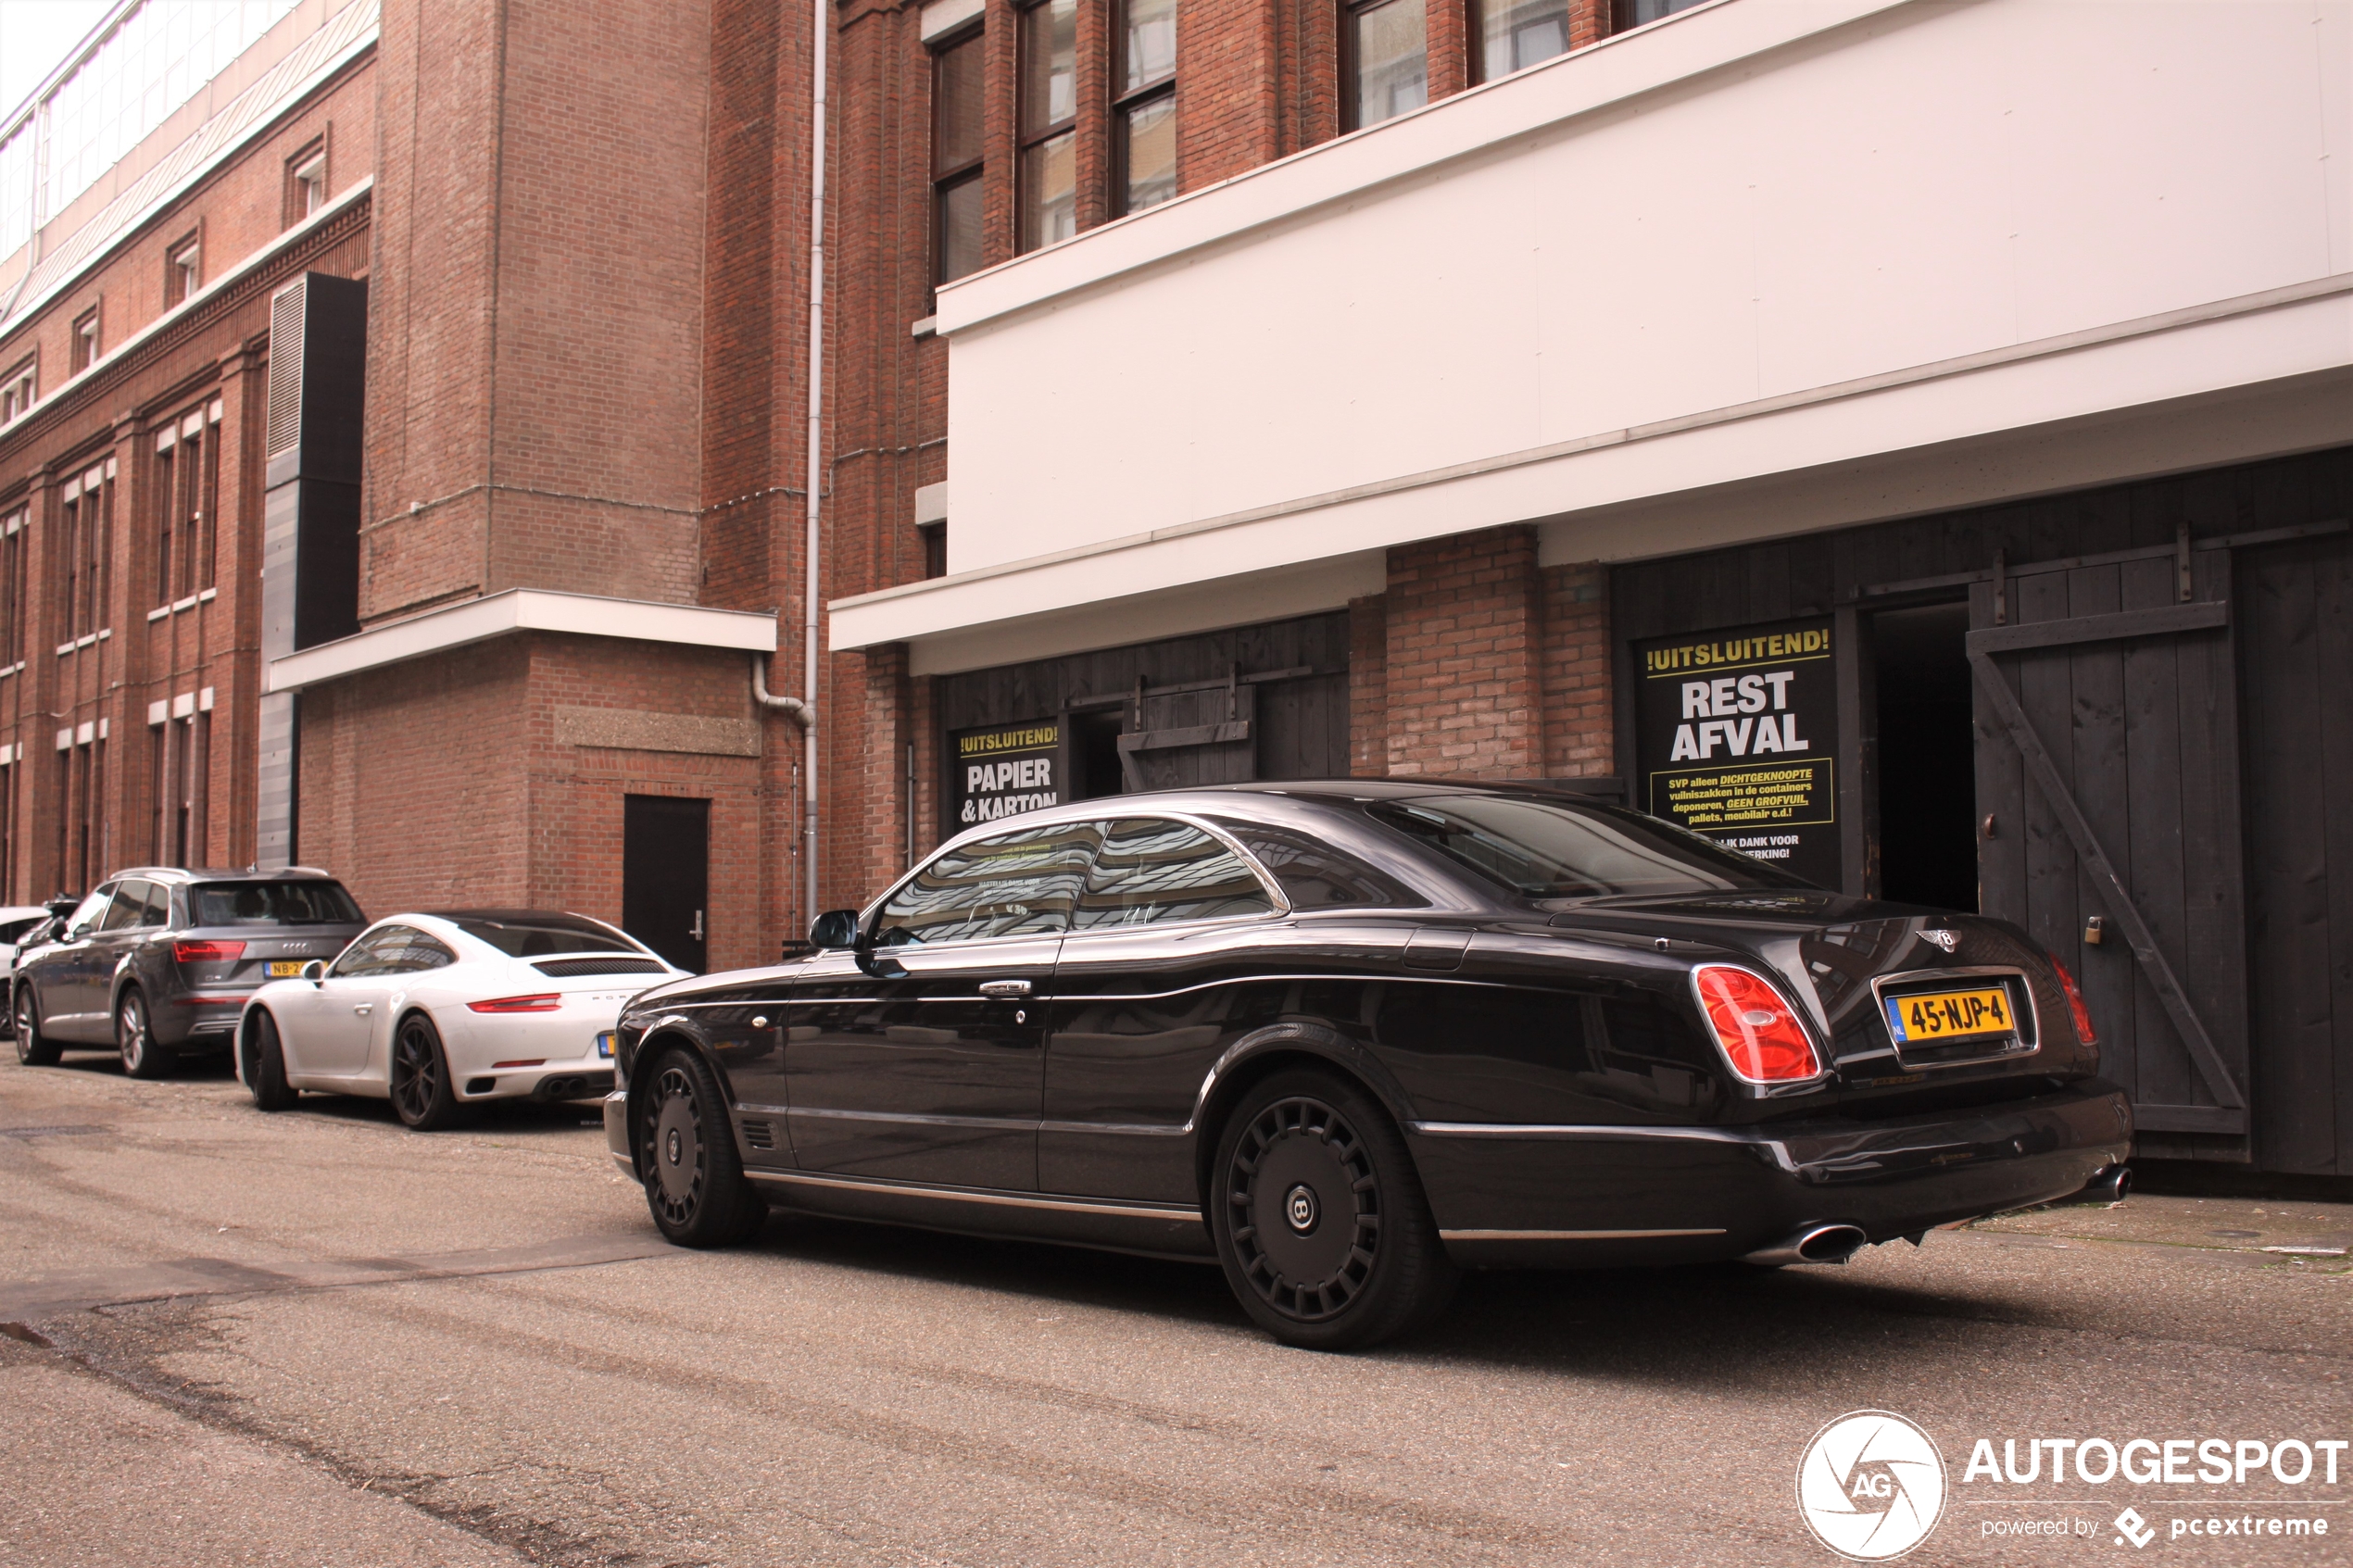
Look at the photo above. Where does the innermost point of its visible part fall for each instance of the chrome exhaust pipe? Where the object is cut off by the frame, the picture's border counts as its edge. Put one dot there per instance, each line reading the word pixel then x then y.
pixel 1815 1244
pixel 2111 1186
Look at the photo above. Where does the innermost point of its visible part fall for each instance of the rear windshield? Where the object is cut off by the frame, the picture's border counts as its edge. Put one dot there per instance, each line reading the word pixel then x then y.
pixel 1541 849
pixel 272 903
pixel 520 939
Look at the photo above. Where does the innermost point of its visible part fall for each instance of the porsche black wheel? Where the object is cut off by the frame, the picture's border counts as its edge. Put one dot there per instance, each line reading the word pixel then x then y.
pixel 33 1048
pixel 1321 1223
pixel 694 1182
pixel 421 1093
pixel 264 1065
pixel 142 1058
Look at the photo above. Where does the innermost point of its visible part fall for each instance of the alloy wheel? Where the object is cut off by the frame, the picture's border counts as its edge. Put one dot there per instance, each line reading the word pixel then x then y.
pixel 673 1146
pixel 1307 1209
pixel 131 1036
pixel 416 1073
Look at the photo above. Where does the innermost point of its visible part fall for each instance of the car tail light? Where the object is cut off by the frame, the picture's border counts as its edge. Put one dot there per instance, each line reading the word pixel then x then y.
pixel 545 1001
pixel 207 952
pixel 1761 1035
pixel 2083 1029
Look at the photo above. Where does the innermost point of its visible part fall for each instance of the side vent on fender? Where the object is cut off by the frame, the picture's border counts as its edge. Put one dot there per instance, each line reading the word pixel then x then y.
pixel 760 1134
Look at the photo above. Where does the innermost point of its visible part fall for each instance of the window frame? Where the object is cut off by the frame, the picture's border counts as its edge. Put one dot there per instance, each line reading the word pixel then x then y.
pixel 306 161
pixel 23 378
pixel 183 268
pixel 1024 137
pixel 86 336
pixel 1277 902
pixel 1124 102
pixel 942 182
pixel 1475 40
pixel 1352 90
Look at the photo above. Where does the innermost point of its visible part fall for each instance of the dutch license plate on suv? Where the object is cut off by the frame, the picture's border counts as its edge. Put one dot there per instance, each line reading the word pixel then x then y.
pixel 604 1044
pixel 284 968
pixel 1951 1015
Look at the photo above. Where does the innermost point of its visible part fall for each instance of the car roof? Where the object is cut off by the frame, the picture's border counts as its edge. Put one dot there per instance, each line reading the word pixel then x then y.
pixel 182 875
pixel 547 920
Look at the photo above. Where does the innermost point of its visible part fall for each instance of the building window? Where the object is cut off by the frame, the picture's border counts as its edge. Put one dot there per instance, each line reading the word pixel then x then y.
pixel 12 557
pixel 935 537
pixel 178 765
pixel 1049 115
pixel 183 273
pixel 81 848
pixel 957 91
pixel 1634 13
pixel 1514 34
pixel 1385 54
pixel 1144 112
pixel 15 392
pixel 306 180
pixel 85 519
pixel 187 489
pixel 85 340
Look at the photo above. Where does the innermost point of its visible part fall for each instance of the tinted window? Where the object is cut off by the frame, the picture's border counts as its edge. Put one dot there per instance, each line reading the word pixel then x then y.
pixel 410 951
pixel 155 904
pixel 366 956
pixel 270 903
pixel 1543 849
pixel 1151 870
pixel 527 939
pixel 1017 883
pixel 130 906
pixel 1317 876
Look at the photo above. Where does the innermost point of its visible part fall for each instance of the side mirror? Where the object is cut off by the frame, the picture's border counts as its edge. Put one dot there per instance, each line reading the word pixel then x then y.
pixel 835 928
pixel 314 972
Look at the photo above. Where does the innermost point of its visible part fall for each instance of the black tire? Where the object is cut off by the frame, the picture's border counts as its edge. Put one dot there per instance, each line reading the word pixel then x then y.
pixel 694 1182
pixel 1321 1223
pixel 423 1095
pixel 135 1036
pixel 264 1065
pixel 33 1048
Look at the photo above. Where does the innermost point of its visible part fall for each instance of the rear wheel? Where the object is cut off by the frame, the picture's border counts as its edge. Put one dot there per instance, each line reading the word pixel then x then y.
pixel 1321 1223
pixel 264 1065
pixel 142 1058
pixel 695 1182
pixel 421 1093
pixel 33 1048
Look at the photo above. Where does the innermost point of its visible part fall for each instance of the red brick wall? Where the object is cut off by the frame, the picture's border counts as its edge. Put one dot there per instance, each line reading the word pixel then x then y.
pixel 1462 672
pixel 1579 740
pixel 1369 687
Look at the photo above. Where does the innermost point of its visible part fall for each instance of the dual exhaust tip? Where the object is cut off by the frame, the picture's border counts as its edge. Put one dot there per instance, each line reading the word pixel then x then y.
pixel 1836 1244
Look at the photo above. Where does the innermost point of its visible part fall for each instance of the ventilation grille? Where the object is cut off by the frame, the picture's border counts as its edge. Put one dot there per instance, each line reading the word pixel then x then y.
pixel 286 314
pixel 615 965
pixel 760 1134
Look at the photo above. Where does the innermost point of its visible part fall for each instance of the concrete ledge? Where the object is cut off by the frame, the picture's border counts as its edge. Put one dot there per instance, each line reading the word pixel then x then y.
pixel 521 610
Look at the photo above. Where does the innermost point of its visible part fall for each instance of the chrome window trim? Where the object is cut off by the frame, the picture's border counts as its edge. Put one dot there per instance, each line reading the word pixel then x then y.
pixel 1966 971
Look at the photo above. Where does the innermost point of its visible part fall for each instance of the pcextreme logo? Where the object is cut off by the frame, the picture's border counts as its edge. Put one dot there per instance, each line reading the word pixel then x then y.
pixel 1870 1486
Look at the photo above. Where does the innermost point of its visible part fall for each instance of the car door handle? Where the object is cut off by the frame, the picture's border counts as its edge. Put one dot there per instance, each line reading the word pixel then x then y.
pixel 1004 990
pixel 363 1009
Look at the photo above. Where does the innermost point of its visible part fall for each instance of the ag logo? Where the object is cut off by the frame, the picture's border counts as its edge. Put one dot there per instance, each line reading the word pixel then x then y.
pixel 1872 1486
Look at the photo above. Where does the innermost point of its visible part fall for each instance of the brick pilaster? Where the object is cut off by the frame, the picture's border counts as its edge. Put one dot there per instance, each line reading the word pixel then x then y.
pixel 1463 669
pixel 1369 687
pixel 1578 741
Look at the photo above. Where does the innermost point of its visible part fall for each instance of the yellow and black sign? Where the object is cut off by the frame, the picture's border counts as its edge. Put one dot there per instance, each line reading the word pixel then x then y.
pixel 1004 770
pixel 1736 734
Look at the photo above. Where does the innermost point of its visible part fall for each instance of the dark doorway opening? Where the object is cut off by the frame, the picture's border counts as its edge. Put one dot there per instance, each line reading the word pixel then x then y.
pixel 1927 757
pixel 665 875
pixel 1094 753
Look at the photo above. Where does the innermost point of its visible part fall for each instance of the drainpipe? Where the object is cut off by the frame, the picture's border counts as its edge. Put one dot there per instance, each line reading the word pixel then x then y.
pixel 819 20
pixel 791 708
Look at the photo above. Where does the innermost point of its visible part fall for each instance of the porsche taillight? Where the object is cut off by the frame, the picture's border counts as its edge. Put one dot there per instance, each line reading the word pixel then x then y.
pixel 1755 1026
pixel 2083 1029
pixel 547 1001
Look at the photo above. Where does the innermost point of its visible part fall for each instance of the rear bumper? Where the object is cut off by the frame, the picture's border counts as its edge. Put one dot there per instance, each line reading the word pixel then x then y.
pixel 202 1019
pixel 1613 1195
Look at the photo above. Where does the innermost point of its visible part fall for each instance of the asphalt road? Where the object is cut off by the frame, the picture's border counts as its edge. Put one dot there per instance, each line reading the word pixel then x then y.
pixel 317 1339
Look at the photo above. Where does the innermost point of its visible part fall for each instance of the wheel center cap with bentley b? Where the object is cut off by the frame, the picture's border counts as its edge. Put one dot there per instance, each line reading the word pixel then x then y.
pixel 1299 1208
pixel 674 1136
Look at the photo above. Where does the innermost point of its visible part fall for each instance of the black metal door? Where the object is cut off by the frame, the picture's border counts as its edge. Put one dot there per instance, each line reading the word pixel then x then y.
pixel 665 875
pixel 2108 776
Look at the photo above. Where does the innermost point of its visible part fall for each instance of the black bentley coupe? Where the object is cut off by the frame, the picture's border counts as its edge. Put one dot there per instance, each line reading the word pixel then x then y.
pixel 1350 1038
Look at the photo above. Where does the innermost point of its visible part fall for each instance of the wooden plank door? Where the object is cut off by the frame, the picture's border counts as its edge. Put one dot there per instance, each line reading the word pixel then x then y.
pixel 1177 739
pixel 2108 784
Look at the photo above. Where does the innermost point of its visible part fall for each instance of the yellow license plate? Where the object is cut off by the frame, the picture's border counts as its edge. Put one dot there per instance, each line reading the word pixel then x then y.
pixel 284 968
pixel 1950 1015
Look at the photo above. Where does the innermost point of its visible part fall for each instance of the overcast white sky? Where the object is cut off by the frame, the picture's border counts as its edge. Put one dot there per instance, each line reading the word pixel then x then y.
pixel 34 35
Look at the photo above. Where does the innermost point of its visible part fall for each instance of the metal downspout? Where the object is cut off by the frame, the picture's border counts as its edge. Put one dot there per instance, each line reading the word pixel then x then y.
pixel 810 557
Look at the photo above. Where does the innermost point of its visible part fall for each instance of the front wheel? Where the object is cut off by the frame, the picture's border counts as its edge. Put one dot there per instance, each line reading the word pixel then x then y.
pixel 694 1182
pixel 1321 1223
pixel 33 1048
pixel 421 1093
pixel 142 1058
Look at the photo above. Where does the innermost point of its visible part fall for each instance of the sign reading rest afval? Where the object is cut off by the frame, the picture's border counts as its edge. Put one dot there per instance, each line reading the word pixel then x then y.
pixel 1004 770
pixel 1736 735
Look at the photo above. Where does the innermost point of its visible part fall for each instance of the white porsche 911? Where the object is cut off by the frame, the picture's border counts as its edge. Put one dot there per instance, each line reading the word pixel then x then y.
pixel 440 1012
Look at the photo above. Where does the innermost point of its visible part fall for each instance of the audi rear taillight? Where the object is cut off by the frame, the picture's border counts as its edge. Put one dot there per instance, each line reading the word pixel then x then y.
pixel 545 1001
pixel 207 952
pixel 2083 1029
pixel 1759 1031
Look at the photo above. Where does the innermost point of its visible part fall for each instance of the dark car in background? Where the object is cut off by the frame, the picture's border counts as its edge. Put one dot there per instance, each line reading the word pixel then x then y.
pixel 158 961
pixel 1348 1038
